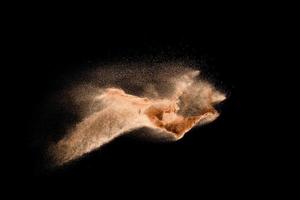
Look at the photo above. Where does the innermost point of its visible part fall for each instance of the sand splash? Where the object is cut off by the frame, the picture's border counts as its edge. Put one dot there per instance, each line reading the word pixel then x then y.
pixel 169 103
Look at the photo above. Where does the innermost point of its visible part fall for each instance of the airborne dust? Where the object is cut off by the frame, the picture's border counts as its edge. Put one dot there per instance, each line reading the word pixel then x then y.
pixel 167 98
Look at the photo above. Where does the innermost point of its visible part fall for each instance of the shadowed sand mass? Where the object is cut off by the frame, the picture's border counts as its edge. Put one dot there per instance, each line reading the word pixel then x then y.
pixel 168 103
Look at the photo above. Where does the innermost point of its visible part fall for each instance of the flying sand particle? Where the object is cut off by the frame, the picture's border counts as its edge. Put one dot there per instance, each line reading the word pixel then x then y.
pixel 187 102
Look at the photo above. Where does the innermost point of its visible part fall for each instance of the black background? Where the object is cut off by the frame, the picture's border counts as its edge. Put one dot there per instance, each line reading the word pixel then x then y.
pixel 230 50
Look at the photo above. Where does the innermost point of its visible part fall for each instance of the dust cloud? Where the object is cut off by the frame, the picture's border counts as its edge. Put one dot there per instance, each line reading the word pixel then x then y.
pixel 168 98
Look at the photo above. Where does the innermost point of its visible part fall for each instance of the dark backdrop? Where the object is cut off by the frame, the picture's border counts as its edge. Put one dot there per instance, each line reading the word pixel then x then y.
pixel 228 151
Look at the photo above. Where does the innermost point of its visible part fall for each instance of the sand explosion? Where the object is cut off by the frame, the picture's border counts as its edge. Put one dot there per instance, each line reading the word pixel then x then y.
pixel 168 103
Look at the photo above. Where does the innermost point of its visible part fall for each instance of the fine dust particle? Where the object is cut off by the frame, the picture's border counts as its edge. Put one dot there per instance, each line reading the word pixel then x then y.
pixel 169 102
